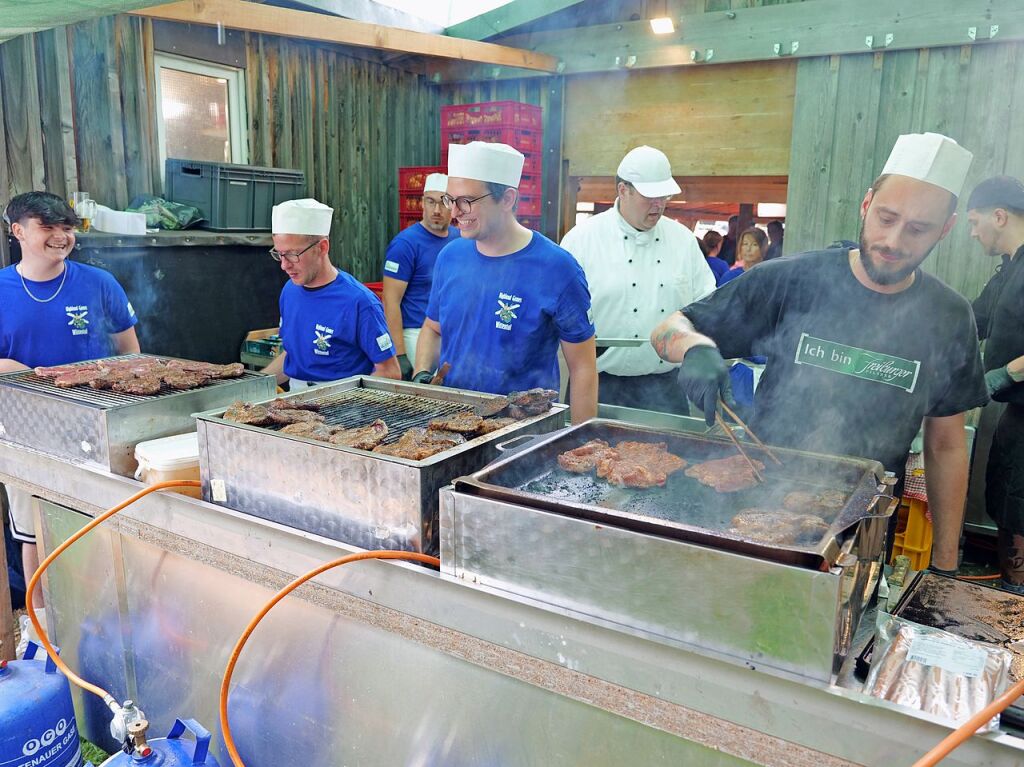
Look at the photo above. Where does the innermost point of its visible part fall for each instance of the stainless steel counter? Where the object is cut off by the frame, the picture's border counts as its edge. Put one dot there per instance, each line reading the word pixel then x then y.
pixel 390 664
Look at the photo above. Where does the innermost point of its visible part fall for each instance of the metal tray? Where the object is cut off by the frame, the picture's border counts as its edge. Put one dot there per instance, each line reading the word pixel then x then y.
pixel 102 428
pixel 684 508
pixel 367 499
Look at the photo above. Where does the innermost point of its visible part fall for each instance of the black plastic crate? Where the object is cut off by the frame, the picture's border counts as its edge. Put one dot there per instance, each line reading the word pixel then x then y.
pixel 232 197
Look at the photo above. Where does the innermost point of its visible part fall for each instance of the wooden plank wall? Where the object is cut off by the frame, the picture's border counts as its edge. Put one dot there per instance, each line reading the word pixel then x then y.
pixel 849 111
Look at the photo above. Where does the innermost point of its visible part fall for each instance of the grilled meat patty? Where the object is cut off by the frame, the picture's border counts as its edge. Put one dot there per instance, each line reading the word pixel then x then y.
pixel 418 444
pixel 464 423
pixel 62 370
pixel 779 527
pixel 363 438
pixel 104 380
pixel 493 424
pixel 290 416
pixel 639 464
pixel 492 407
pixel 247 413
pixel 288 404
pixel 184 379
pixel 211 370
pixel 76 377
pixel 726 475
pixel 311 430
pixel 138 384
pixel 822 503
pixel 534 401
pixel 584 458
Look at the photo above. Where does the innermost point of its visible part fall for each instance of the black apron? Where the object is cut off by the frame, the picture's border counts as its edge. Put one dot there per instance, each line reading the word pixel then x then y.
pixel 1004 476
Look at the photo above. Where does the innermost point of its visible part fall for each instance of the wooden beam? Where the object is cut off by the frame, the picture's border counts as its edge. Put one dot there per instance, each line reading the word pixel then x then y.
pixel 815 28
pixel 507 18
pixel 251 17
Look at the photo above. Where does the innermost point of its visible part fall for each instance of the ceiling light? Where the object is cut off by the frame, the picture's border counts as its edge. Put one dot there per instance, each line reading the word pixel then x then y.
pixel 662 26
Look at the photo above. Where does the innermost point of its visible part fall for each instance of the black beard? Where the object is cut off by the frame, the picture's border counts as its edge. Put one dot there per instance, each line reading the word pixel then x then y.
pixel 880 277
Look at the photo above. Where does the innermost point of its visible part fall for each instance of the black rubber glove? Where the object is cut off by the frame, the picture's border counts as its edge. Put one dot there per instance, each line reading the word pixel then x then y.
pixel 405 366
pixel 423 376
pixel 704 378
pixel 997 380
pixel 940 571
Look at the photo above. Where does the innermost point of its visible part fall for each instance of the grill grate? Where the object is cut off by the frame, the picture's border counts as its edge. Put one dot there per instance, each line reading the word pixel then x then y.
pixel 401 412
pixel 103 398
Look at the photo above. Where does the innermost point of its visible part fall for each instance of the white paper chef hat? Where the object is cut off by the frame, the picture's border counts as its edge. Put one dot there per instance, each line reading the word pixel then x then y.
pixel 480 161
pixel 302 217
pixel 436 182
pixel 930 157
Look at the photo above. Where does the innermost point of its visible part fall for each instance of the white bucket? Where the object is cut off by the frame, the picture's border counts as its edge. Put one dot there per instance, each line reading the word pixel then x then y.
pixel 169 458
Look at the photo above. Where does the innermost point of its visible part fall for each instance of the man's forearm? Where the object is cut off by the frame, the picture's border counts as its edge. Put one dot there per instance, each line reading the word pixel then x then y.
pixel 1016 368
pixel 393 315
pixel 428 347
pixel 583 394
pixel 9 366
pixel 276 368
pixel 946 480
pixel 674 337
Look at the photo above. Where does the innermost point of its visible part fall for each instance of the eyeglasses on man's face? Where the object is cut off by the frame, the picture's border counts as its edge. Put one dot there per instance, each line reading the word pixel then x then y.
pixel 292 258
pixel 462 204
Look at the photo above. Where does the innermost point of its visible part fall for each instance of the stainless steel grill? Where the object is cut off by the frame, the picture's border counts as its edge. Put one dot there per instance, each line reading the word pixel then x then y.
pixel 367 499
pixel 102 427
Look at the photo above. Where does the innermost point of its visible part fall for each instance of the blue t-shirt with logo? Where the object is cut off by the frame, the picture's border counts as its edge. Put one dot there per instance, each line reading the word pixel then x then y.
pixel 334 331
pixel 75 325
pixel 502 317
pixel 410 257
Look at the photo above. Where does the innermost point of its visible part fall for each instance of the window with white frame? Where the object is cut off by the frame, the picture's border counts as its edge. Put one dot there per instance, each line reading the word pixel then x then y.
pixel 201 110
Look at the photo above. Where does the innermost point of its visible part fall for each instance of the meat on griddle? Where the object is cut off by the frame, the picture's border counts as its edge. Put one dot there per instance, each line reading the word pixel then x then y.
pixel 465 422
pixel 639 464
pixel 311 430
pixel 211 370
pixel 290 404
pixel 532 402
pixel 291 415
pixel 104 380
pixel 822 503
pixel 62 370
pixel 247 413
pixel 726 475
pixel 138 384
pixel 76 377
pixel 778 526
pixel 182 380
pixel 363 438
pixel 493 424
pixel 584 458
pixel 492 407
pixel 418 444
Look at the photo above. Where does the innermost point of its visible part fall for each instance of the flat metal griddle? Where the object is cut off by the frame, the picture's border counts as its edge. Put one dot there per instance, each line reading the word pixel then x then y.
pixel 684 508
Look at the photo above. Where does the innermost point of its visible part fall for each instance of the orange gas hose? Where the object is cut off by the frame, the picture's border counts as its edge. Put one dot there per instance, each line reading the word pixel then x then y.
pixel 229 741
pixel 41 632
pixel 966 730
pixel 995 577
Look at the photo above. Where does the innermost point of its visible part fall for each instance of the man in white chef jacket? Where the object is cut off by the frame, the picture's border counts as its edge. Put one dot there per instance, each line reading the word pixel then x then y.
pixel 639 265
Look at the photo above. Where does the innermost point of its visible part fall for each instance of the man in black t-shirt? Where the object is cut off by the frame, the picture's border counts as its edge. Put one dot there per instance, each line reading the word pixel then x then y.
pixel 861 343
pixel 995 211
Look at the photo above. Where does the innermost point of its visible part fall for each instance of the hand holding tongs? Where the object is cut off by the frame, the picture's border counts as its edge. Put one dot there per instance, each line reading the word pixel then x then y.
pixel 736 442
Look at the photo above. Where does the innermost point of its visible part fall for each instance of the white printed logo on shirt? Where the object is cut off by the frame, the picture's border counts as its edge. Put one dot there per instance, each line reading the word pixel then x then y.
pixel 78 323
pixel 322 342
pixel 384 342
pixel 507 305
pixel 391 266
pixel 131 309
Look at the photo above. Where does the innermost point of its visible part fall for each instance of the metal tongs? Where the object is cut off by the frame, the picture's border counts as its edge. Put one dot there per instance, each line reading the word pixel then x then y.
pixel 735 441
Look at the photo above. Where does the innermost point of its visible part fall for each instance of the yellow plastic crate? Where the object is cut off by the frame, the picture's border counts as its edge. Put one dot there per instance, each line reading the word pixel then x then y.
pixel 913 533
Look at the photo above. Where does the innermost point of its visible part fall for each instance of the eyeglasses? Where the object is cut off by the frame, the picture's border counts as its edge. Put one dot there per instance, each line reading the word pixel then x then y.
pixel 462 204
pixel 430 202
pixel 292 258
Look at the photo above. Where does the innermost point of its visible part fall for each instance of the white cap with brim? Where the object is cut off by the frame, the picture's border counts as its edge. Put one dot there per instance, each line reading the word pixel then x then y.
pixel 481 161
pixel 649 171
pixel 302 217
pixel 436 182
pixel 932 158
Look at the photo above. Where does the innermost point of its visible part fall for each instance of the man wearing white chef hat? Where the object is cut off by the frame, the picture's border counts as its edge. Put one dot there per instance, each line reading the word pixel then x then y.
pixel 505 298
pixel 861 343
pixel 409 269
pixel 332 326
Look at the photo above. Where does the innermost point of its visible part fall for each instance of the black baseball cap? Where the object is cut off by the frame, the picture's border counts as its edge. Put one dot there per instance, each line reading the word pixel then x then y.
pixel 997 192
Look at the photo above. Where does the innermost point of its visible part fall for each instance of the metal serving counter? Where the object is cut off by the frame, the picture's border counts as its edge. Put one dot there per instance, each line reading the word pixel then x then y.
pixel 391 664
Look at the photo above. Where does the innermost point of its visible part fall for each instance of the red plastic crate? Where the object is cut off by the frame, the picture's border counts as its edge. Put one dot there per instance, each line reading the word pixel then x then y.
pixel 412 178
pixel 405 220
pixel 410 202
pixel 529 206
pixel 530 186
pixel 523 140
pixel 377 288
pixel 491 114
pixel 530 222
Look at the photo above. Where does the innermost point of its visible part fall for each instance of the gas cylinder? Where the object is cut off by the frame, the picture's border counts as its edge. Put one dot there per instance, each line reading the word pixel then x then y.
pixel 38 717
pixel 171 751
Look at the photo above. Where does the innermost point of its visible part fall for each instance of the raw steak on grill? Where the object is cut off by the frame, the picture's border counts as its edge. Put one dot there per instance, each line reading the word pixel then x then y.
pixel 463 423
pixel 61 370
pixel 184 379
pixel 247 413
pixel 76 377
pixel 726 475
pixel 584 458
pixel 493 424
pixel 491 407
pixel 290 415
pixel 779 527
pixel 639 464
pixel 363 438
pixel 141 385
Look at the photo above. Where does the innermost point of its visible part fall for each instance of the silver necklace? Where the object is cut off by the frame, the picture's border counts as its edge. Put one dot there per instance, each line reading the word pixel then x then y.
pixel 64 276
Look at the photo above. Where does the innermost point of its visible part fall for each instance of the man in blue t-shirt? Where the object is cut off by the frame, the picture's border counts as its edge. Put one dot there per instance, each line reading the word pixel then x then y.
pixel 504 298
pixel 332 326
pixel 409 270
pixel 54 311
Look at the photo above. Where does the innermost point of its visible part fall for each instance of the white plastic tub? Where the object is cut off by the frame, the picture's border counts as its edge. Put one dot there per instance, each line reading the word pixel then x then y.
pixel 169 458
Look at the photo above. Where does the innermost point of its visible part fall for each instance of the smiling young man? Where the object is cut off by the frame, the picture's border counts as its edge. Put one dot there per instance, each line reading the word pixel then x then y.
pixel 505 298
pixel 52 312
pixel 332 326
pixel 995 211
pixel 409 269
pixel 861 343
